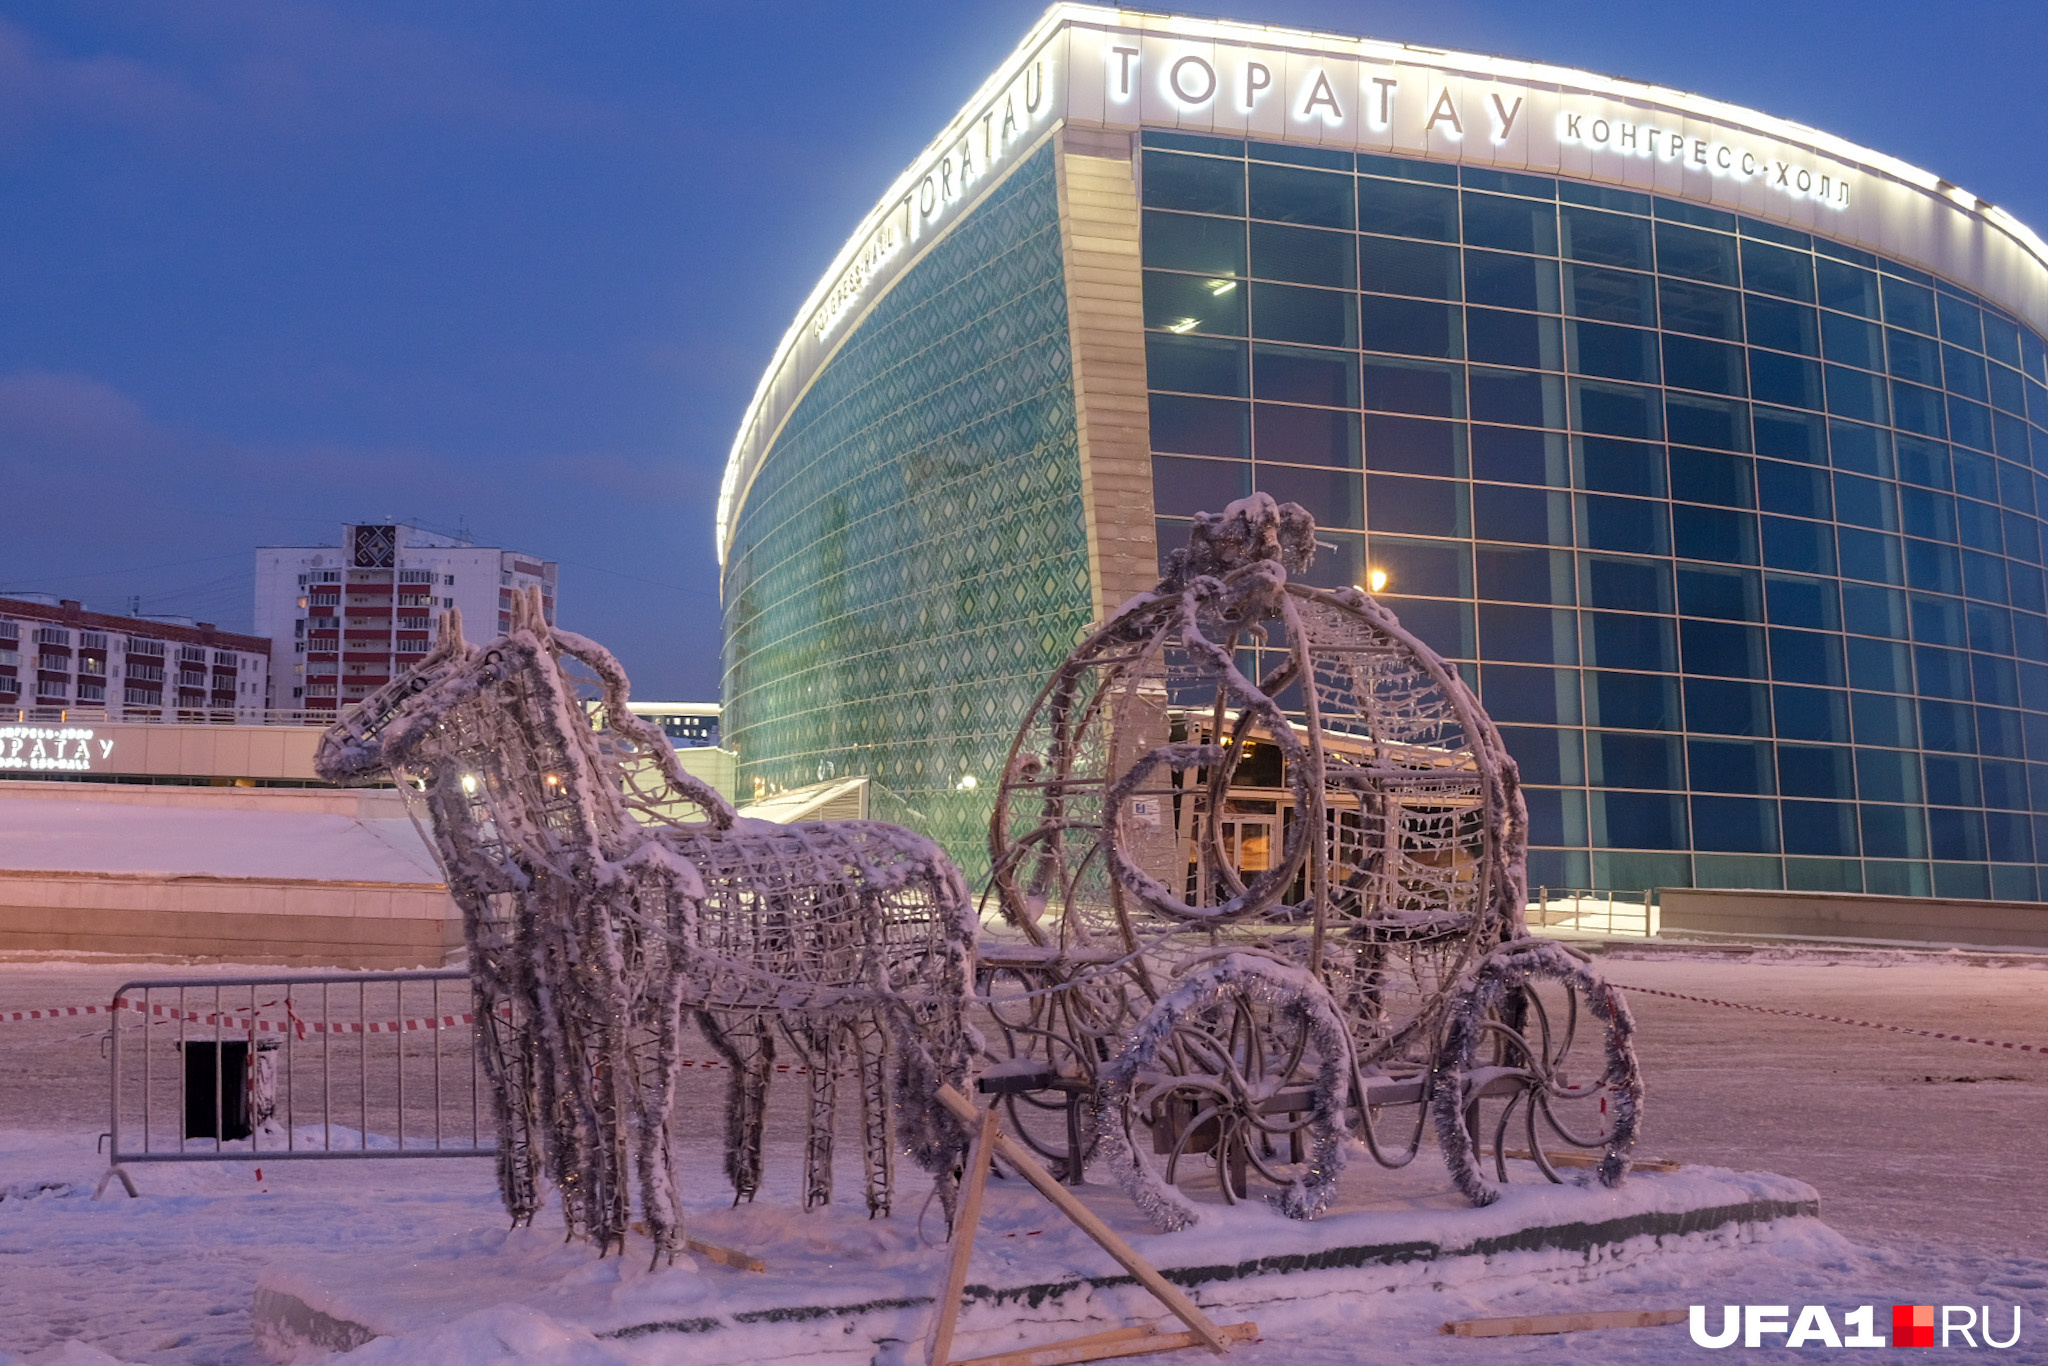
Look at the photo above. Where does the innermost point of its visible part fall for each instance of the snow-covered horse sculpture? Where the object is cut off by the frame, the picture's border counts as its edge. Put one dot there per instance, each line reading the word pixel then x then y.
pixel 603 915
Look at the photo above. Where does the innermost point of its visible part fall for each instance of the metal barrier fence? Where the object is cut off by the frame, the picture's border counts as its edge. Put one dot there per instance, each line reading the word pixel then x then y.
pixel 298 1066
pixel 1628 915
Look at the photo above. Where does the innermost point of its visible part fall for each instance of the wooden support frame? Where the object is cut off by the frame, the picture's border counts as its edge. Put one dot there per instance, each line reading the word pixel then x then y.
pixel 990 1141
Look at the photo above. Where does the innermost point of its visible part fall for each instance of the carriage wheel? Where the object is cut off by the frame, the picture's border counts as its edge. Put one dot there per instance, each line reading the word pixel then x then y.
pixel 1241 1072
pixel 1539 1055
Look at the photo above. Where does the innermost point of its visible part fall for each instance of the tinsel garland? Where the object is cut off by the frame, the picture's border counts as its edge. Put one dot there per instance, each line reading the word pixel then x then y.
pixel 1507 969
pixel 1296 999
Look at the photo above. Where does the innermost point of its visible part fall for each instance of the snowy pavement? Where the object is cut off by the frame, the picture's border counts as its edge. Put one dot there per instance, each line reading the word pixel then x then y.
pixel 1928 1156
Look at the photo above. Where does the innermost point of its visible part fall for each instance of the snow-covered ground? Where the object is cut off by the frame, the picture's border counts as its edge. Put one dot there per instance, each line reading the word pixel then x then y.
pixel 1928 1154
pixel 215 841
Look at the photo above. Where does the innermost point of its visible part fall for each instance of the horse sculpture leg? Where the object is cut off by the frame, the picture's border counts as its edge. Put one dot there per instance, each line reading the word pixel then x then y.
pixel 820 1044
pixel 661 1060
pixel 747 1044
pixel 871 1057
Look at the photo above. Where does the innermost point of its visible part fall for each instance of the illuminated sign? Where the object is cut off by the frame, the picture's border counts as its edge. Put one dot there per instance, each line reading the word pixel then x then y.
pixel 1707 156
pixel 975 147
pixel 1404 107
pixel 52 749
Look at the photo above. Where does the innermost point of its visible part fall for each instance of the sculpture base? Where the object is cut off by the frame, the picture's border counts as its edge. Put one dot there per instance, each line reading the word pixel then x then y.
pixel 843 1289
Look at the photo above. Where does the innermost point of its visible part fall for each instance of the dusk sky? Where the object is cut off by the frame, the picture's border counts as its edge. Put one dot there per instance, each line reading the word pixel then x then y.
pixel 266 266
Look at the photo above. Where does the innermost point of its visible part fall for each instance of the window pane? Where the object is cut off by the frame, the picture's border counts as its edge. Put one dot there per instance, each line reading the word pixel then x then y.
pixel 1626 353
pixel 1186 487
pixel 1528 340
pixel 1783 326
pixel 1414 327
pixel 1405 209
pixel 1626 524
pixel 1193 184
pixel 1732 766
pixel 1509 512
pixel 1516 693
pixel 1305 436
pixel 1307 256
pixel 1510 224
pixel 1713 534
pixel 1291 194
pixel 1696 255
pixel 1317 317
pixel 1722 649
pixel 1508 574
pixel 1726 594
pixel 1777 270
pixel 1718 477
pixel 1189 303
pixel 1291 376
pixel 1207 246
pixel 1908 305
pixel 1516 456
pixel 1201 426
pixel 1195 365
pixel 1617 640
pixel 1631 701
pixel 1849 288
pixel 1415 387
pixel 1506 281
pixel 1715 707
pixel 1739 825
pixel 1523 397
pixel 1416 507
pixel 1536 635
pixel 1615 296
pixel 1797 489
pixel 1620 466
pixel 1702 310
pixel 1634 761
pixel 1630 585
pixel 1605 238
pixel 1423 269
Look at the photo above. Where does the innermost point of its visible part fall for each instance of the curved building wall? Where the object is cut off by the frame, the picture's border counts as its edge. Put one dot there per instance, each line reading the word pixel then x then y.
pixel 911 561
pixel 1736 530
pixel 1711 446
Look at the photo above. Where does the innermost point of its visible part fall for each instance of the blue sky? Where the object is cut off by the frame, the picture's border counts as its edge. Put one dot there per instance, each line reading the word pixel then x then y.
pixel 267 265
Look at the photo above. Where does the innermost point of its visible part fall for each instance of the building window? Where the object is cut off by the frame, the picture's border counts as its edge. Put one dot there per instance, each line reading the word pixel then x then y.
pixel 52 635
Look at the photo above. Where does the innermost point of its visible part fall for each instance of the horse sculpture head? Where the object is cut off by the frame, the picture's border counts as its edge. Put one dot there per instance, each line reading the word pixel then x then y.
pixel 462 704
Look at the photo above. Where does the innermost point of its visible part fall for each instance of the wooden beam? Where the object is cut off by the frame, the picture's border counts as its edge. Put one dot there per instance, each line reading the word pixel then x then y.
pixel 1563 1323
pixel 939 1350
pixel 1124 1342
pixel 1169 1294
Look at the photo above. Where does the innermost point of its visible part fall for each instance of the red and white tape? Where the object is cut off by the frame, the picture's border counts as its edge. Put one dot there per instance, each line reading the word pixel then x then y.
pixel 1835 1019
pixel 291 1025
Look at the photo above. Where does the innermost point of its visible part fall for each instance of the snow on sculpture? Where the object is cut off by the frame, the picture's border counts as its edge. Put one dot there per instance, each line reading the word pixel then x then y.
pixel 1263 853
pixel 606 894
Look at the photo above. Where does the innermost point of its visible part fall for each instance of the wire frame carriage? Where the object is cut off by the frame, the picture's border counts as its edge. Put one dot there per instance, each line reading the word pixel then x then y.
pixel 1259 858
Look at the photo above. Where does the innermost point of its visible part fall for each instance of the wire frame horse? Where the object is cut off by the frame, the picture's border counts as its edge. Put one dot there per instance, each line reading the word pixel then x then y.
pixel 606 894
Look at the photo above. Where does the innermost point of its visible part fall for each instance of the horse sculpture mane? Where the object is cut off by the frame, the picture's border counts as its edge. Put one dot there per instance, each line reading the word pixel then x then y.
pixel 598 916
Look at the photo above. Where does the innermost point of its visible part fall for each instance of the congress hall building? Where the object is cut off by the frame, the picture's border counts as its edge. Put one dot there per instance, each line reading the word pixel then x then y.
pixel 1712 447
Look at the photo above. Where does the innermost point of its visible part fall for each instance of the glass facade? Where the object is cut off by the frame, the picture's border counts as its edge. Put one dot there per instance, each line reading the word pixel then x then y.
pixel 911 562
pixel 1736 531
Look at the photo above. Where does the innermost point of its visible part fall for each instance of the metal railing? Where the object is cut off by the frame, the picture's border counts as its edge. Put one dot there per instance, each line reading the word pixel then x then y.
pixel 1628 915
pixel 294 1067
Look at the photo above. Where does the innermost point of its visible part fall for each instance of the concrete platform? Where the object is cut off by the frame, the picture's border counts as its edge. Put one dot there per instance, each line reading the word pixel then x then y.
pixel 842 1289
